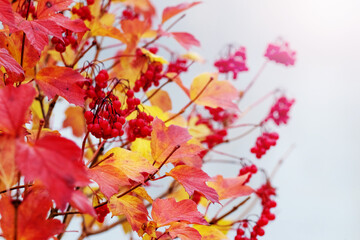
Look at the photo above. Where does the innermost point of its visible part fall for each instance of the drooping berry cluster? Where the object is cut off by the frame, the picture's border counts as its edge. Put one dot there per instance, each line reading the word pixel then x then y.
pixel 217 137
pixel 279 112
pixel 265 192
pixel 101 213
pixel 178 66
pixel 235 62
pixel 140 127
pixel 61 44
pixel 84 12
pixel 264 142
pixel 280 53
pixel 151 77
pixel 251 169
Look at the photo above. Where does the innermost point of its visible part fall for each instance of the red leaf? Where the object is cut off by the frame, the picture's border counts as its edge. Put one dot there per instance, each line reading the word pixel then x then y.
pixel 185 39
pixel 79 201
pixel 183 231
pixel 194 179
pixel 31 218
pixel 170 12
pixel 14 107
pixel 230 187
pixel 61 81
pixel 13 69
pixel 166 211
pixel 55 161
pixel 76 25
pixel 6 13
pixel 47 8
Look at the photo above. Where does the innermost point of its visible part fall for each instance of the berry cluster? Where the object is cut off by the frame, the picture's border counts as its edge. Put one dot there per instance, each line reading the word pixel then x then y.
pixel 234 63
pixel 279 112
pixel 61 44
pixel 101 213
pixel 264 142
pixel 84 12
pixel 251 169
pixel 151 77
pixel 221 115
pixel 264 192
pixel 281 53
pixel 178 66
pixel 129 14
pixel 140 127
pixel 217 137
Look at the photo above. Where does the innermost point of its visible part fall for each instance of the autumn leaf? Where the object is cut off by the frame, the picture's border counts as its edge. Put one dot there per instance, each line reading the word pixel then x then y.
pixel 170 12
pixel 160 99
pixel 132 207
pixel 143 7
pixel 13 69
pixel 185 39
pixel 8 171
pixel 216 94
pixel 14 111
pixel 166 211
pixel 183 231
pixel 194 179
pixel 31 217
pixel 74 118
pixel 47 8
pixel 118 166
pixel 210 233
pixel 61 81
pixel 55 161
pixel 153 57
pixel 6 13
pixel 230 187
pixel 80 201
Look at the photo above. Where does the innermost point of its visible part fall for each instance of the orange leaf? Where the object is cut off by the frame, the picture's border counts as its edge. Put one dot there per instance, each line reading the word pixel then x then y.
pixel 166 211
pixel 75 119
pixel 194 179
pixel 55 161
pixel 13 69
pixel 61 81
pixel 170 12
pixel 7 161
pixel 230 187
pixel 210 233
pixel 14 107
pixel 31 218
pixel 217 93
pixel 185 39
pixel 132 207
pixel 164 139
pixel 160 99
pixel 183 231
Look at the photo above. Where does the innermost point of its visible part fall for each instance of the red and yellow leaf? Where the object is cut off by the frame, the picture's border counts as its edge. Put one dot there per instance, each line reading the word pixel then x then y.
pixel 14 111
pixel 183 231
pixel 194 179
pixel 31 218
pixel 160 99
pixel 210 233
pixel 8 171
pixel 230 187
pixel 170 12
pixel 55 161
pixel 166 211
pixel 185 39
pixel 132 207
pixel 61 81
pixel 13 69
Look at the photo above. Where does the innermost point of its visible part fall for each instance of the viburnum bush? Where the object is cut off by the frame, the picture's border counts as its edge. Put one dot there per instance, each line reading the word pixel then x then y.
pixel 135 163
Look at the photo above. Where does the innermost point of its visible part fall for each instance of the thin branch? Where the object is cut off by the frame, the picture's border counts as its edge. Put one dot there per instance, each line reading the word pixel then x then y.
pixel 49 112
pixel 214 221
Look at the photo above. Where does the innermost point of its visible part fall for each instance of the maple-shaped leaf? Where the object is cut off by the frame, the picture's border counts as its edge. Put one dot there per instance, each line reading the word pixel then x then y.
pixel 216 94
pixel 74 118
pixel 117 167
pixel 14 107
pixel 8 171
pixel 61 81
pixel 185 39
pixel 132 207
pixel 160 99
pixel 210 233
pixel 166 211
pixel 170 12
pixel 164 139
pixel 31 217
pixel 183 231
pixel 194 179
pixel 13 69
pixel 6 13
pixel 230 187
pixel 55 161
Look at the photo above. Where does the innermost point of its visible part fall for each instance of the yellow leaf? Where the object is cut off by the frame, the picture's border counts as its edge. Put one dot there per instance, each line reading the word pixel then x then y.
pixel 160 99
pixel 193 56
pixel 199 131
pixel 210 232
pixel 224 225
pixel 153 57
pixel 74 118
pixel 142 146
pixel 140 191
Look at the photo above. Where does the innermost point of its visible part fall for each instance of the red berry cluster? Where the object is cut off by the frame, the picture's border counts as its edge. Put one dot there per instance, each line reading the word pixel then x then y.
pixel 281 53
pixel 279 112
pixel 264 142
pixel 178 66
pixel 61 44
pixel 151 77
pixel 234 63
pixel 84 11
pixel 217 137
pixel 251 169
pixel 129 14
pixel 26 8
pixel 101 213
pixel 221 115
pixel 140 127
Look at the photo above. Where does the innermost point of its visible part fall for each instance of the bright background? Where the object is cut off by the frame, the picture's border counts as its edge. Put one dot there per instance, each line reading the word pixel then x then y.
pixel 318 184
